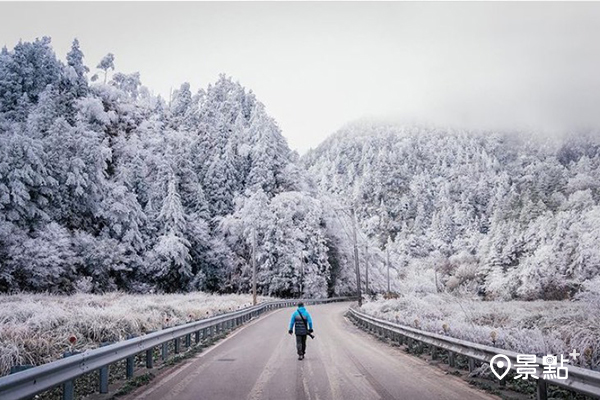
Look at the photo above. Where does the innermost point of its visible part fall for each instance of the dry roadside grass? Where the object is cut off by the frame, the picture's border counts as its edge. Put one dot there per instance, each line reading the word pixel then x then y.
pixel 35 328
pixel 527 327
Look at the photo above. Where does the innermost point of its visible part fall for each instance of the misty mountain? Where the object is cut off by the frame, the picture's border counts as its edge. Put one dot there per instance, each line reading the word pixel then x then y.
pixel 499 215
pixel 105 186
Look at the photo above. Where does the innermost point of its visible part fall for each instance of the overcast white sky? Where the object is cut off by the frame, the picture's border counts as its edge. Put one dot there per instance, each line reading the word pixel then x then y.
pixel 317 66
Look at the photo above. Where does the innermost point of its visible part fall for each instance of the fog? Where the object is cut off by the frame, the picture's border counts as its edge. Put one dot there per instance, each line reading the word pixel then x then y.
pixel 317 66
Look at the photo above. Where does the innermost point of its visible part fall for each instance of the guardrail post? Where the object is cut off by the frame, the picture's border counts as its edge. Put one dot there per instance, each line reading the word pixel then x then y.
pixel 471 364
pixel 188 340
pixel 103 375
pixel 150 358
pixel 165 351
pixel 103 379
pixel 542 390
pixel 68 389
pixel 433 352
pixel 129 367
pixel 451 360
pixel 176 343
pixel 130 363
pixel 196 337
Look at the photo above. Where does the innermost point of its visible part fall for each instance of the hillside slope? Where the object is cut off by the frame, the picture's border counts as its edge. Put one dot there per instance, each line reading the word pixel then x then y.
pixel 104 186
pixel 500 215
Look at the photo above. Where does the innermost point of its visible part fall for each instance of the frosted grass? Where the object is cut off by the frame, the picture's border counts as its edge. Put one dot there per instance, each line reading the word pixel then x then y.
pixel 540 327
pixel 35 328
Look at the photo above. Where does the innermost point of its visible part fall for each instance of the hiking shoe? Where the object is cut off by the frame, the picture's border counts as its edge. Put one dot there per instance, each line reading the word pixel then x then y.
pixel 299 357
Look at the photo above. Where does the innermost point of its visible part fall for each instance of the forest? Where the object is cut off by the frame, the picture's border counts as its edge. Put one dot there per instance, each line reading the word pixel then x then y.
pixel 106 187
pixel 500 216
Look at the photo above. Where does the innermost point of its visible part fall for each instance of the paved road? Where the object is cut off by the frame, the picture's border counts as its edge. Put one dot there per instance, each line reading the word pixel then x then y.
pixel 258 361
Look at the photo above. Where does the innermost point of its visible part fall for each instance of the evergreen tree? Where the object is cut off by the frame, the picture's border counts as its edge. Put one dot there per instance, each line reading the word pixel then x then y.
pixel 107 62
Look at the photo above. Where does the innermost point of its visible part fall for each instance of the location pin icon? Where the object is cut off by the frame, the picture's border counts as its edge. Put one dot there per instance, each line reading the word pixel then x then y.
pixel 501 362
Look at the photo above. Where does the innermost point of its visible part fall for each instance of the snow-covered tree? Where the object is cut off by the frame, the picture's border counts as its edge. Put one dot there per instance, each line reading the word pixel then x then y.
pixel 107 62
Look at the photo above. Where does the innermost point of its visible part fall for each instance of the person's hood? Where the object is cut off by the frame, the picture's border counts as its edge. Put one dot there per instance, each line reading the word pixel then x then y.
pixel 302 308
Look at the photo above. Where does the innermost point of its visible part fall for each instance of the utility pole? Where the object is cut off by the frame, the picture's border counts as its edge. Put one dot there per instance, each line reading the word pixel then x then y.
pixel 358 293
pixel 254 266
pixel 387 258
pixel 367 269
pixel 302 279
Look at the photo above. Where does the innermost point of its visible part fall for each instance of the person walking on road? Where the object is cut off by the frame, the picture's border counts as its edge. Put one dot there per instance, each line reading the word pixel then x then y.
pixel 302 323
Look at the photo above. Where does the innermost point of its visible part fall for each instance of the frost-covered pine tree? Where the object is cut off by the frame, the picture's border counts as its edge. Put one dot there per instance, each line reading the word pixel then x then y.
pixel 172 258
pixel 107 62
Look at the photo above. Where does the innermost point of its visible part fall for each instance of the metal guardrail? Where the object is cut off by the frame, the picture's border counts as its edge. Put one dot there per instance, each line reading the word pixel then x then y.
pixel 580 380
pixel 33 381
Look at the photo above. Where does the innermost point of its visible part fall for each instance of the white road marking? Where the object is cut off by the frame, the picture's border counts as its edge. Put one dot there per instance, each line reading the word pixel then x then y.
pixel 175 372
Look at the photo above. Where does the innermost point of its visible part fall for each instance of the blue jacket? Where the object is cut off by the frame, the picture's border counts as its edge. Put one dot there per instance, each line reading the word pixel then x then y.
pixel 296 321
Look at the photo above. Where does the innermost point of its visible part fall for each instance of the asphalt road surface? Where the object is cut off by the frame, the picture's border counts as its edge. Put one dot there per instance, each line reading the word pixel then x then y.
pixel 259 361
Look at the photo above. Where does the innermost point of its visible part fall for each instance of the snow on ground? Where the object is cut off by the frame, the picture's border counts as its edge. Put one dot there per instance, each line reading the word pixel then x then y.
pixel 540 327
pixel 35 328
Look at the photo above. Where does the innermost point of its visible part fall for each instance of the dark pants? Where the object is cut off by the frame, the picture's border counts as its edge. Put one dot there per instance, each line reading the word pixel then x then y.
pixel 301 344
